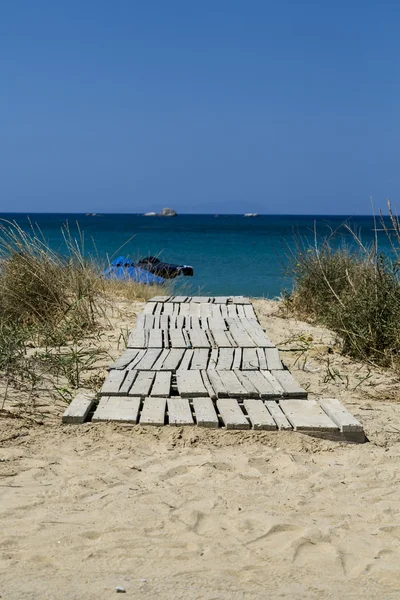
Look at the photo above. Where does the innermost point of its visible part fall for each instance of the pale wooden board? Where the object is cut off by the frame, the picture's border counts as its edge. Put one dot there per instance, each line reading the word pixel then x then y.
pixel 220 338
pixel 205 413
pixel 168 308
pixel 160 361
pixel 148 322
pixel 258 336
pixel 231 414
pixel 250 360
pixel 232 311
pixel 217 323
pixel 184 310
pixel 200 358
pixel 240 311
pixel 216 311
pixel 172 361
pixel 156 322
pixel 241 336
pixel 113 383
pixel 220 390
pixel 148 359
pixel 166 343
pixel 207 385
pixel 340 415
pixel 190 384
pixel 232 342
pixel 262 361
pixel 140 321
pixel 307 415
pixel 194 310
pixel 186 360
pixel 249 311
pixel 224 310
pixel 79 408
pixel 206 310
pixel 277 414
pixel 179 412
pixel 233 385
pixel 273 359
pixel 149 308
pixel 213 358
pixel 200 299
pixel 153 412
pixel 225 359
pixel 137 338
pixel 178 299
pixel 128 382
pixel 117 408
pixel 155 338
pixel 162 384
pixel 195 322
pixel 123 361
pixel 237 359
pixel 221 299
pixel 160 299
pixel 246 383
pixel 274 382
pixel 198 338
pixel 240 300
pixel 259 416
pixel 263 386
pixel 176 338
pixel 164 322
pixel 292 389
pixel 142 384
pixel 137 359
pixel 158 309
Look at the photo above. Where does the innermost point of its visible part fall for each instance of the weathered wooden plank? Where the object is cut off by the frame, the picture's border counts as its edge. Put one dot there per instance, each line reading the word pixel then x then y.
pixel 168 308
pixel 224 310
pixel 232 384
pixel 195 299
pixel 259 416
pixel 194 310
pixel 240 311
pixel 153 412
pixel 142 384
pixel 232 311
pixel 195 322
pixel 291 387
pixel 250 360
pixel 137 338
pixel 307 415
pixel 179 412
pixel 207 385
pixel 123 361
pixel 261 359
pixel 165 333
pixel 117 408
pixel 273 359
pixel 232 342
pixel 113 383
pixel 274 382
pixel 200 358
pixel 249 311
pixel 190 384
pixel 219 388
pixel 231 414
pixel 340 415
pixel 198 338
pixel 241 336
pixel 127 383
pixel 225 359
pixel 140 321
pixel 79 408
pixel 160 299
pixel 216 311
pixel 155 338
pixel 184 310
pixel 156 322
pixel 137 359
pixel 148 322
pixel 162 384
pixel 258 336
pixel 148 359
pixel 212 363
pixel 206 310
pixel 164 322
pixel 277 414
pixel 205 413
pixel 237 359
pixel 240 300
pixel 261 384
pixel 176 338
pixel 160 361
pixel 186 360
pixel 217 323
pixel 158 309
pixel 220 299
pixel 149 308
pixel 246 383
pixel 178 299
pixel 172 361
pixel 220 338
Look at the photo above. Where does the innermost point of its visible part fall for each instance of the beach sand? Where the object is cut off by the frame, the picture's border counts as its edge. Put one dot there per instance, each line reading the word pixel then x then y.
pixel 187 513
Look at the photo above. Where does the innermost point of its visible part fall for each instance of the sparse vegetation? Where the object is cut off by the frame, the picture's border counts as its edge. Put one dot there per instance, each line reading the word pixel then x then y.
pixel 352 289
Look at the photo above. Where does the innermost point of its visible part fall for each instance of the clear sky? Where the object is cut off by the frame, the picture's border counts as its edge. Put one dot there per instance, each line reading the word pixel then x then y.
pixel 284 106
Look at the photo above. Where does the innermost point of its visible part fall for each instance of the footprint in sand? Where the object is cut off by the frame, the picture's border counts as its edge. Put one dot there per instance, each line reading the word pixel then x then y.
pixel 277 539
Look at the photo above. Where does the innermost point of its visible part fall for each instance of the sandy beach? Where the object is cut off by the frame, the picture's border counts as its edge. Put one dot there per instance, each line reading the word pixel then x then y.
pixel 189 513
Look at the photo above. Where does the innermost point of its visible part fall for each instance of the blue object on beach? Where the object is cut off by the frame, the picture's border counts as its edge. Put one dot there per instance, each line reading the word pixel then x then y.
pixel 123 268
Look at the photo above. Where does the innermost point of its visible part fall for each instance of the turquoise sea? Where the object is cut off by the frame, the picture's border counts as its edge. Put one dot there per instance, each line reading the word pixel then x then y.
pixel 231 254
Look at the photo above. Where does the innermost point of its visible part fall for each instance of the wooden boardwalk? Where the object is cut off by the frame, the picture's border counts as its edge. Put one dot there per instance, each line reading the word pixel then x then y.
pixel 207 361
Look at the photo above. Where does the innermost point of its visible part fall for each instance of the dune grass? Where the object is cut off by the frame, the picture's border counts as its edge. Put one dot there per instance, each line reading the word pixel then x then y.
pixel 352 289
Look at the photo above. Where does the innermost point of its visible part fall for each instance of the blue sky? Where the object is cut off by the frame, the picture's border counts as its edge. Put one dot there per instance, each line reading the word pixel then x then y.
pixel 216 106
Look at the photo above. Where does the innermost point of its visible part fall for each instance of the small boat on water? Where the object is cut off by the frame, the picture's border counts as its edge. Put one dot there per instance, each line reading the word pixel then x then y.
pixel 150 270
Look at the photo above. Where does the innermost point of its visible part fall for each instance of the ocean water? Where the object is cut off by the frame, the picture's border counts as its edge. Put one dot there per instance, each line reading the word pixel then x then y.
pixel 230 254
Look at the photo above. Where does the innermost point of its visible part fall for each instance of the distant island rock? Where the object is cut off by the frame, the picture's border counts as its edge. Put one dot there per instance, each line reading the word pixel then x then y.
pixel 251 215
pixel 166 212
